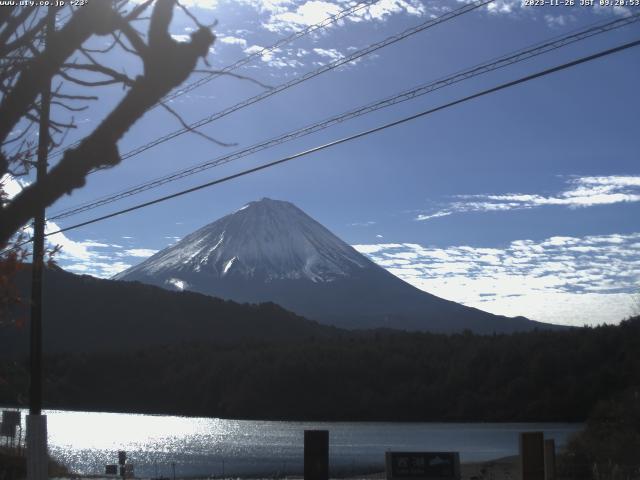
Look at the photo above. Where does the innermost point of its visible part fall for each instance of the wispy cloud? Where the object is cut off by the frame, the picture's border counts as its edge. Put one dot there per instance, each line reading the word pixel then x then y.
pixel 559 21
pixel 11 186
pixel 368 223
pixel 85 256
pixel 286 16
pixel 88 256
pixel 91 257
pixel 580 192
pixel 180 37
pixel 231 40
pixel 331 53
pixel 573 280
pixel 277 58
pixel 138 252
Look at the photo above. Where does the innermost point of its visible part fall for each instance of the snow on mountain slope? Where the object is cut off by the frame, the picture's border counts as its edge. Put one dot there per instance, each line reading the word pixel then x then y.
pixel 265 240
pixel 270 250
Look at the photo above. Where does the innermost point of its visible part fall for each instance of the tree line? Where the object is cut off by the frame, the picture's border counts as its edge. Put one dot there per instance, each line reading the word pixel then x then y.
pixel 375 375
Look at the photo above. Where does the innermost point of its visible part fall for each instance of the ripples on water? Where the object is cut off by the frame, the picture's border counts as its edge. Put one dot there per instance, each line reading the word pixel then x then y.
pixel 86 441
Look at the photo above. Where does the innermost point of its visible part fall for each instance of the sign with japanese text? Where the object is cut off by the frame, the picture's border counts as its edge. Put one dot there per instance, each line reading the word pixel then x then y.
pixel 422 465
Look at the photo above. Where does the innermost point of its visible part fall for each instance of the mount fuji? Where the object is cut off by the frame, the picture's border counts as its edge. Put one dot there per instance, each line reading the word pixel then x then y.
pixel 270 250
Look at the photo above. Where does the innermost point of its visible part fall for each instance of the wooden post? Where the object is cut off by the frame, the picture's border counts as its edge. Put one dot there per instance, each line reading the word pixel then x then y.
pixel 550 459
pixel 532 455
pixel 316 455
pixel 37 454
pixel 37 458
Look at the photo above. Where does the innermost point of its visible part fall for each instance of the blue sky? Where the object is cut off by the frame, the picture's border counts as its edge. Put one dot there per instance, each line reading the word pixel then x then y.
pixel 524 202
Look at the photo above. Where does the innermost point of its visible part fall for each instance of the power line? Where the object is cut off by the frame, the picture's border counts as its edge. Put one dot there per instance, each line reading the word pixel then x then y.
pixel 249 58
pixel 309 75
pixel 310 29
pixel 503 86
pixel 495 64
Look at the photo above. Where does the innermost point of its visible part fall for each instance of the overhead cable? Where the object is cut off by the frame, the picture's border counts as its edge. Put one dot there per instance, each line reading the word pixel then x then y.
pixel 340 141
pixel 309 75
pixel 495 64
pixel 249 58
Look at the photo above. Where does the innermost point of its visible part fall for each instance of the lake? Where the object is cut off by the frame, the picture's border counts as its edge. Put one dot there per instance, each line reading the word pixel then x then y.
pixel 86 441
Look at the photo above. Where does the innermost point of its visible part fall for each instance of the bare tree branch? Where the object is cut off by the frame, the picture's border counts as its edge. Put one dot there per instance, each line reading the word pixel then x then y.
pixel 235 75
pixel 69 107
pixel 87 83
pixel 74 97
pixel 116 77
pixel 186 126
pixel 94 18
pixel 24 39
pixel 167 64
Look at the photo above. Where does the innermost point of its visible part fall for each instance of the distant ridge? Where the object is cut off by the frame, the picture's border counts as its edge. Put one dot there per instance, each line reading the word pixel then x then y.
pixel 270 250
pixel 83 314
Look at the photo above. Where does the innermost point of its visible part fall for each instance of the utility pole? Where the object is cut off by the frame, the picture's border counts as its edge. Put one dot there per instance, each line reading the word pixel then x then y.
pixel 37 456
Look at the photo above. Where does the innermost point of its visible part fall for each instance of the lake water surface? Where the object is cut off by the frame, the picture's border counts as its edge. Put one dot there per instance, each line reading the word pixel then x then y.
pixel 86 441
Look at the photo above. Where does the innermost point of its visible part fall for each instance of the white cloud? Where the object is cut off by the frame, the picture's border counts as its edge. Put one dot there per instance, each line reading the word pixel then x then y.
pixel 286 16
pixel 309 13
pixel 253 49
pixel 331 53
pixel 556 21
pixel 519 8
pixel 12 186
pixel 204 4
pixel 87 256
pixel 275 58
pixel 581 192
pixel 230 40
pixel 181 37
pixel 571 280
pixel 139 252
pixel 443 213
pixel 363 224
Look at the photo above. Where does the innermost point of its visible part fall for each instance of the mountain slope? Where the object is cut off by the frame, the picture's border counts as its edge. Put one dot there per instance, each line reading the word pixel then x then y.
pixel 87 314
pixel 271 250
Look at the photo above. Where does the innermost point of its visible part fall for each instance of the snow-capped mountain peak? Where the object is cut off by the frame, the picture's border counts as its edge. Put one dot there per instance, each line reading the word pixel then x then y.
pixel 266 239
pixel 271 251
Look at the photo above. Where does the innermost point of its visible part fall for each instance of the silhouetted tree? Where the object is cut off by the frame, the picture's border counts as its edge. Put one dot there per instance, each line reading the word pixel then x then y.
pixel 28 63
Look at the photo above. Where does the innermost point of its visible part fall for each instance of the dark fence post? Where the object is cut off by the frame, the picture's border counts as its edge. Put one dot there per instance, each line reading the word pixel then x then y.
pixel 532 455
pixel 550 459
pixel 316 454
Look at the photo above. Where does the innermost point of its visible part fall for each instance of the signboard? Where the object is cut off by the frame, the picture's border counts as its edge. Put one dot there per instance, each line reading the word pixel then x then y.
pixel 316 454
pixel 422 465
pixel 10 420
pixel 111 469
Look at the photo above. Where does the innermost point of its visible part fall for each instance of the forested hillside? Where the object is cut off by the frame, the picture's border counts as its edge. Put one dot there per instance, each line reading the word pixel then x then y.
pixel 383 375
pixel 89 315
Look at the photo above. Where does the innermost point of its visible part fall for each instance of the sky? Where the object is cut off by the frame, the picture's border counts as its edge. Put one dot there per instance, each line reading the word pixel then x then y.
pixel 522 202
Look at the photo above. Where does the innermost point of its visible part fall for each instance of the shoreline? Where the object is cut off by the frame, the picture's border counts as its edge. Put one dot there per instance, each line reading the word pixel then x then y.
pixel 25 409
pixel 504 468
